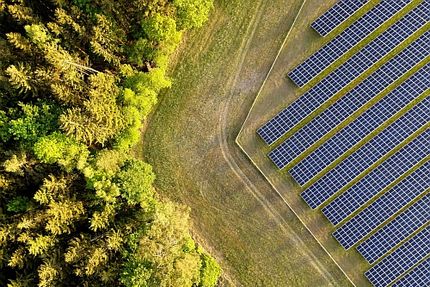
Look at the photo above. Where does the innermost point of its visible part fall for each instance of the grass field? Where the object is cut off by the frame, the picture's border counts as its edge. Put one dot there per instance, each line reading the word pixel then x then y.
pixel 276 94
pixel 190 142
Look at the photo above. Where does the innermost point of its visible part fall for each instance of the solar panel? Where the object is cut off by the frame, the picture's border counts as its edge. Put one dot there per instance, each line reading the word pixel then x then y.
pixel 382 176
pixel 404 225
pixel 359 30
pixel 374 165
pixel 386 206
pixel 419 276
pixel 348 104
pixel 403 258
pixel 338 79
pixel 336 15
pixel 365 156
pixel 365 124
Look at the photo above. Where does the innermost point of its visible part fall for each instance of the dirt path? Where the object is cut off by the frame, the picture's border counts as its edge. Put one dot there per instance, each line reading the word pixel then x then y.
pixel 190 142
pixel 226 145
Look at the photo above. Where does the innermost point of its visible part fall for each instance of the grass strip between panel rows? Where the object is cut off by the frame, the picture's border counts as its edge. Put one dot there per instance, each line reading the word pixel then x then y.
pixel 367 138
pixel 353 83
pixel 362 110
pixel 409 270
pixel 369 38
pixel 377 163
pixel 387 189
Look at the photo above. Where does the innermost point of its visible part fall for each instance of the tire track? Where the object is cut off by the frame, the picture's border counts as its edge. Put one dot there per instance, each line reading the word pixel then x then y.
pixel 227 146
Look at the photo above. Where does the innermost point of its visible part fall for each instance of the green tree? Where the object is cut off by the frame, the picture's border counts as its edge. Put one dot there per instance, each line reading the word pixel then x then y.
pixel 192 13
pixel 62 150
pixel 135 182
pixel 210 271
pixel 77 79
pixel 30 122
pixel 163 255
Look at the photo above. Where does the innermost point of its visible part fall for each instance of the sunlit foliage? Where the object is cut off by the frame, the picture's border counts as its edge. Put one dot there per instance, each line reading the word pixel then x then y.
pixel 77 80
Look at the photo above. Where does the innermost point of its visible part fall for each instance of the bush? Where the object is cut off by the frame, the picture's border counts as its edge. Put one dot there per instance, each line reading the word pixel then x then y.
pixel 210 271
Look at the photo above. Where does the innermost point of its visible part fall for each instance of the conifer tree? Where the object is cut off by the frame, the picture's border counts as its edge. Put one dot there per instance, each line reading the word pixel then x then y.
pixel 77 79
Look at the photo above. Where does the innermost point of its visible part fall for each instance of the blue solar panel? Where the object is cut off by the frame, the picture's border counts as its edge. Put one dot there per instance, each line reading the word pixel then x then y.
pixel 384 207
pixel 403 258
pixel 336 15
pixel 383 175
pixel 391 223
pixel 313 131
pixel 338 79
pixel 345 41
pixel 418 277
pixel 404 225
pixel 364 157
pixel 364 125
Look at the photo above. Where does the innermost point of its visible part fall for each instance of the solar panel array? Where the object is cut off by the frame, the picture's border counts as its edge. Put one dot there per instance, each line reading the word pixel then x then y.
pixel 336 15
pixel 342 76
pixel 379 127
pixel 405 224
pixel 382 176
pixel 361 127
pixel 403 258
pixel 419 276
pixel 364 157
pixel 359 30
pixel 386 206
pixel 350 103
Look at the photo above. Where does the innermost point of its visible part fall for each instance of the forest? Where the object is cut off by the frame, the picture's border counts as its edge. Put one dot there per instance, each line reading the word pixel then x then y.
pixel 77 208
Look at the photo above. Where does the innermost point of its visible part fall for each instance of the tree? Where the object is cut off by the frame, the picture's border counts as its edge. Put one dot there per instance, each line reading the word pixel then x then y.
pixel 107 40
pixel 99 118
pixel 210 271
pixel 31 122
pixel 77 208
pixel 135 182
pixel 192 13
pixel 59 149
pixel 20 78
pixel 164 255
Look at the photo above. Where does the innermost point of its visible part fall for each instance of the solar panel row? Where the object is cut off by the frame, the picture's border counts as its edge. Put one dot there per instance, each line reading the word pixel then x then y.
pixel 359 30
pixel 389 146
pixel 419 276
pixel 386 206
pixel 361 127
pixel 333 83
pixel 336 15
pixel 364 157
pixel 404 225
pixel 381 177
pixel 352 101
pixel 403 258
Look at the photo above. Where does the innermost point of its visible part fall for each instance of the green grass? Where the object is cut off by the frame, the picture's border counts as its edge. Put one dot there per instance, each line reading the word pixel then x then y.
pixel 370 37
pixel 368 137
pixel 218 71
pixel 276 95
pixel 356 114
pixel 413 267
pixel 387 189
pixel 363 75
pixel 375 164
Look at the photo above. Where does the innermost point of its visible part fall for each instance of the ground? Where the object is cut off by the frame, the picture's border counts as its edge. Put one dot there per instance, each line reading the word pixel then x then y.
pixel 190 141
pixel 276 94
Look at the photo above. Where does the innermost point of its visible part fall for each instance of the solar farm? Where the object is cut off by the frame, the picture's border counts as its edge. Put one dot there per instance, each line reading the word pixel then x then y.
pixel 357 139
